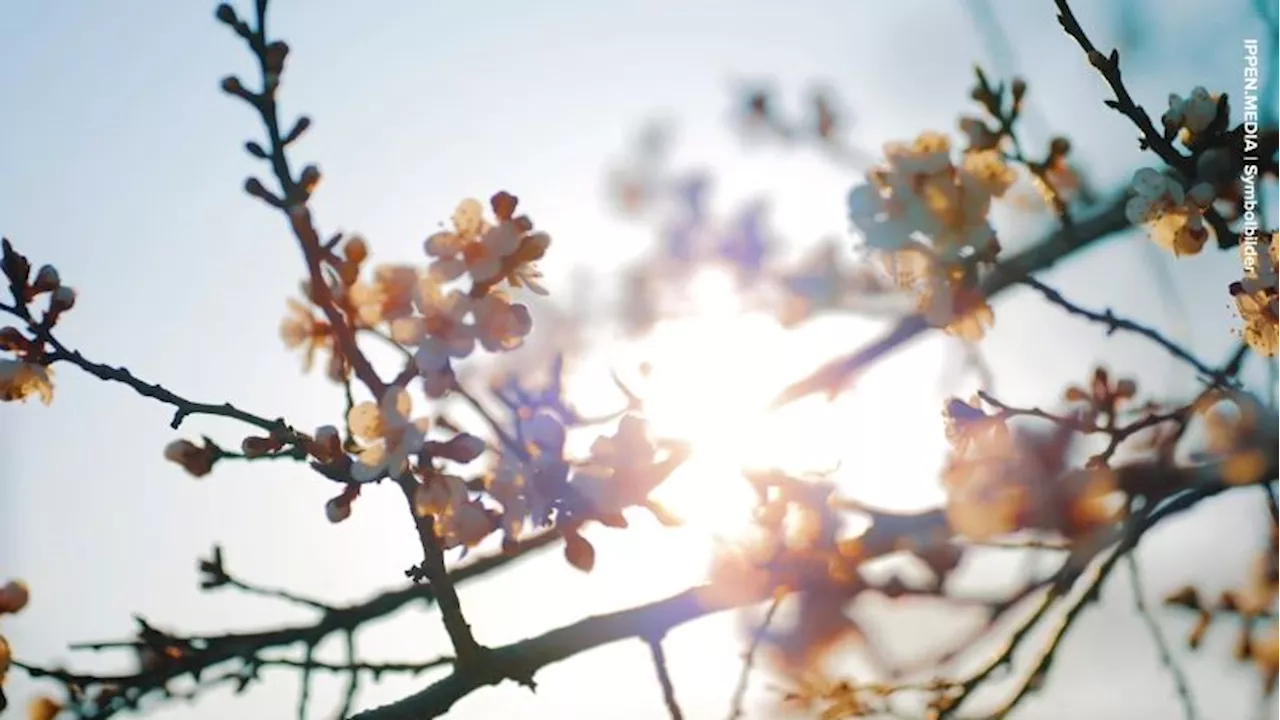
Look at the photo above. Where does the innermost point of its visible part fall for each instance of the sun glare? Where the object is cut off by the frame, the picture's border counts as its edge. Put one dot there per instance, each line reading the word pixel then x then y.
pixel 710 376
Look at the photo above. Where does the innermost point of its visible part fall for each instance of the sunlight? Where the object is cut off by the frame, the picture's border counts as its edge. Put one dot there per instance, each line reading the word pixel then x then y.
pixel 710 379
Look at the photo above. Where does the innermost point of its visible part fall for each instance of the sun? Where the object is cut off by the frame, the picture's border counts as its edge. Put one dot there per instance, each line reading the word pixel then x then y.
pixel 709 379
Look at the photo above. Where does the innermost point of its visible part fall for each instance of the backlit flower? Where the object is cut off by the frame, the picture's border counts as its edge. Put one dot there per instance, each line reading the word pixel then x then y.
pixel 500 323
pixel 389 295
pixel 446 334
pixel 1258 310
pixel 390 436
pixel 20 379
pixel 1192 114
pixel 300 328
pixel 1174 218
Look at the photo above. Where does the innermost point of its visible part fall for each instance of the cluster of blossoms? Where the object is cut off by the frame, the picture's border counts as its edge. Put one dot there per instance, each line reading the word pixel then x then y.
pixel 1240 434
pixel 1257 299
pixel 1173 215
pixel 1177 215
pixel 530 481
pixel 1000 480
pixel 419 309
pixel 1253 602
pixel 925 219
pixel 539 486
pixel 27 373
pixel 1190 117
pixel 691 237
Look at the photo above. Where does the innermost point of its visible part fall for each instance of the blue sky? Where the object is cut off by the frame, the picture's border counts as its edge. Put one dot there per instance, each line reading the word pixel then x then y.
pixel 122 166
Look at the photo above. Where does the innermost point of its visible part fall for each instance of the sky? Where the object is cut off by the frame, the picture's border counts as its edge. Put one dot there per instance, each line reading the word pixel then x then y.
pixel 122 167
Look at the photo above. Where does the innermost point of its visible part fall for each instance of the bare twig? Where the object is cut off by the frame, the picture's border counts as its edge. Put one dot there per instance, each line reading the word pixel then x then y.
pixel 749 659
pixel 1162 644
pixel 659 657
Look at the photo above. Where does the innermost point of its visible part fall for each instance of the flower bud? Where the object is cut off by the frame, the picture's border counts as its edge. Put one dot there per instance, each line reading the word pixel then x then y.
pixel 255 447
pixel 46 279
pixel 337 509
pixel 327 445
pixel 356 250
pixel 274 58
pixel 310 178
pixel 11 338
pixel 226 14
pixel 64 298
pixel 194 459
pixel 13 596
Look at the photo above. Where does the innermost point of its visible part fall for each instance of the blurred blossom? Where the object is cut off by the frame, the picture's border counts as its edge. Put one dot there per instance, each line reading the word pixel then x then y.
pixel 746 245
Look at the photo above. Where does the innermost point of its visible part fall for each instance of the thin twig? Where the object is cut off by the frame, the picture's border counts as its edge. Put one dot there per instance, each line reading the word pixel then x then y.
pixel 659 657
pixel 1162 644
pixel 749 659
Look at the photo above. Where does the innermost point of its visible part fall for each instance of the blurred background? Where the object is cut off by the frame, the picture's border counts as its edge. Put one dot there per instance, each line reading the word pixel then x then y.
pixel 122 166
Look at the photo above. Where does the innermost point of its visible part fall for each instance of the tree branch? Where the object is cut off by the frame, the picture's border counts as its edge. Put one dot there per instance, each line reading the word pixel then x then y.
pixel 832 377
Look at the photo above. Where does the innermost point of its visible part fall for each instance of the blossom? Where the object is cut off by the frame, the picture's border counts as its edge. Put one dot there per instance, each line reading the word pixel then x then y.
pixel 1093 499
pixel 390 435
pixel 468 223
pixel 500 323
pixel 1258 309
pixel 747 245
pixel 440 494
pixel 445 334
pixel 620 471
pixel 524 272
pixel 20 379
pixel 1241 435
pixel 818 282
pixel 919 190
pixel 459 520
pixel 301 328
pixel 193 458
pixel 983 500
pixel 919 195
pixel 513 488
pixel 1193 114
pixel 960 311
pixel 543 435
pixel 478 247
pixel 1102 397
pixel 1173 216
pixel 968 426
pixel 389 295
pixel 465 527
